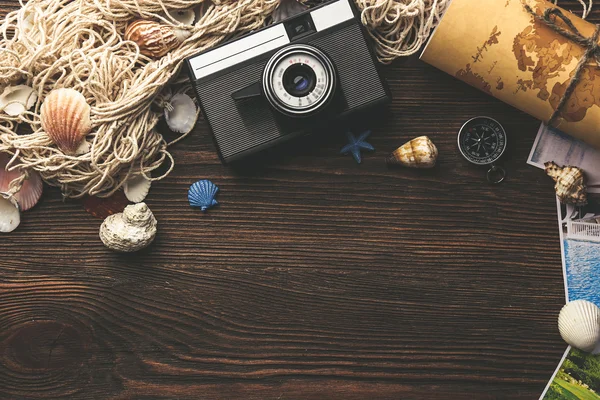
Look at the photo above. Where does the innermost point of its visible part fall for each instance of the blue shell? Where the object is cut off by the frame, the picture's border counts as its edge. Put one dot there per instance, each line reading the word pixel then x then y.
pixel 202 194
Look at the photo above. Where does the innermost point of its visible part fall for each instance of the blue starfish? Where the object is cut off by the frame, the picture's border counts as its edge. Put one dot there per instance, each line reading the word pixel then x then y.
pixel 356 144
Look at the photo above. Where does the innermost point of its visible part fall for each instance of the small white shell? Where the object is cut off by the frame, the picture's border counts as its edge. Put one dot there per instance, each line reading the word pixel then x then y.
pixel 10 217
pixel 579 325
pixel 181 113
pixel 129 231
pixel 136 188
pixel 15 100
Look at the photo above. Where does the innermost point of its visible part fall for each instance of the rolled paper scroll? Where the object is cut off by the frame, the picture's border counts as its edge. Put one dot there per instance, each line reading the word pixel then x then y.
pixel 498 47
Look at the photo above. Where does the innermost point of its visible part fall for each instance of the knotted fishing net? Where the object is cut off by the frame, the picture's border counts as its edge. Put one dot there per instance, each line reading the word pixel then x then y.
pixel 79 44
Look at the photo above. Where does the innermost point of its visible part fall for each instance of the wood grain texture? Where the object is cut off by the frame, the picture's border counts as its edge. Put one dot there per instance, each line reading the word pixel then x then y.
pixel 316 278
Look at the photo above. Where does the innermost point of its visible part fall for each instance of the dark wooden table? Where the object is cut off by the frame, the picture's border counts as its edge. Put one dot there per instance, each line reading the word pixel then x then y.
pixel 317 278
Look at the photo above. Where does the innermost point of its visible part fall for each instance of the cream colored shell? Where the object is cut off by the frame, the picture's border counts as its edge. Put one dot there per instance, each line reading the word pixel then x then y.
pixel 65 117
pixel 570 184
pixel 154 39
pixel 136 188
pixel 579 325
pixel 417 153
pixel 129 231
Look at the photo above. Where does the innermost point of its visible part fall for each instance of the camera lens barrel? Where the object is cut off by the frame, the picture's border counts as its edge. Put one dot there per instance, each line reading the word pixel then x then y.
pixel 299 80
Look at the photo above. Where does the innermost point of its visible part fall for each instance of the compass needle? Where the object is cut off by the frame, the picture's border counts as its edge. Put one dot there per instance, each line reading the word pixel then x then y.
pixel 482 141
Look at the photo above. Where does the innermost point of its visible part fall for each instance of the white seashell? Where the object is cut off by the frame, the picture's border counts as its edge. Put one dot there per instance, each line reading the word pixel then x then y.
pixel 181 113
pixel 129 231
pixel 15 100
pixel 579 325
pixel 136 188
pixel 65 117
pixel 186 17
pixel 10 217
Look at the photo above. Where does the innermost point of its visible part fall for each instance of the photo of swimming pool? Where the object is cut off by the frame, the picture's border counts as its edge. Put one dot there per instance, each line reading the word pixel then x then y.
pixel 582 264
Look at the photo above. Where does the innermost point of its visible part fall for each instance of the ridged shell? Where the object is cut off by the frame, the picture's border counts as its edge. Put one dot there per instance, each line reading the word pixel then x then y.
pixel 417 153
pixel 154 39
pixel 579 325
pixel 181 113
pixel 10 217
pixel 129 231
pixel 570 184
pixel 136 188
pixel 31 189
pixel 65 117
pixel 202 194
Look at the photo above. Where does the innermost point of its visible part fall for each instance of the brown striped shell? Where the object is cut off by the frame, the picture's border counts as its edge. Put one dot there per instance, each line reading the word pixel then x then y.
pixel 65 117
pixel 418 153
pixel 570 184
pixel 154 39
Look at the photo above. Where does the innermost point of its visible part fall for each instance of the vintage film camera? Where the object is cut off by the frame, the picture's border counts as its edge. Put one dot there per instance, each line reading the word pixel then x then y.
pixel 287 80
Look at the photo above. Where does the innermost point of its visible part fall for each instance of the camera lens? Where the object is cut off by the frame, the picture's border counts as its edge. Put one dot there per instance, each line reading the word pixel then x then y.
pixel 299 80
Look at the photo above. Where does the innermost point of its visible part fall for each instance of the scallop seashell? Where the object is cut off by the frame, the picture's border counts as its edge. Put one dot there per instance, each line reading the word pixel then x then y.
pixel 10 216
pixel 181 113
pixel 104 207
pixel 202 194
pixel 154 39
pixel 418 153
pixel 287 9
pixel 15 100
pixel 136 188
pixel 186 17
pixel 65 117
pixel 31 189
pixel 579 325
pixel 570 184
pixel 129 231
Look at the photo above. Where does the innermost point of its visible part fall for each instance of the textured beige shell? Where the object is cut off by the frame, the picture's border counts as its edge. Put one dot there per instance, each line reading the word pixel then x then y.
pixel 129 231
pixel 418 153
pixel 579 325
pixel 154 39
pixel 570 184
pixel 65 117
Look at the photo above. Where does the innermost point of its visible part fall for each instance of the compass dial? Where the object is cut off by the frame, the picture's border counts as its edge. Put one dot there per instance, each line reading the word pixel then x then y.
pixel 482 140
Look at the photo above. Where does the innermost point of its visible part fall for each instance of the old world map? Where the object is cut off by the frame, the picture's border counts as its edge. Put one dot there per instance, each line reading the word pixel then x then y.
pixel 544 56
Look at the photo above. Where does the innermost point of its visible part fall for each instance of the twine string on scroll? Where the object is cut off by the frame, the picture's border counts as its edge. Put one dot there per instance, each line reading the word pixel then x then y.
pixel 79 44
pixel 573 34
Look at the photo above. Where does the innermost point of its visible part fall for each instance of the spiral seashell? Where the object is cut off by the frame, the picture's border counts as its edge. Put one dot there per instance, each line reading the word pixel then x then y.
pixel 418 153
pixel 153 39
pixel 129 231
pixel 579 325
pixel 570 184
pixel 202 194
pixel 65 117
